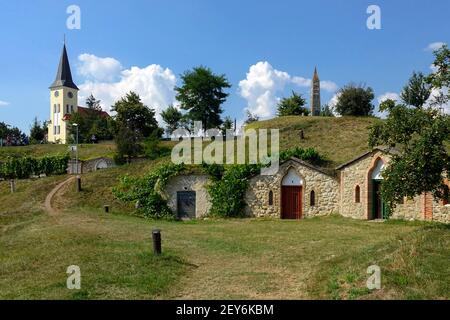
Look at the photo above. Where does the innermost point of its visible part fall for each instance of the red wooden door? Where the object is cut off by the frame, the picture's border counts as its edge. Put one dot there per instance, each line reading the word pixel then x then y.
pixel 291 202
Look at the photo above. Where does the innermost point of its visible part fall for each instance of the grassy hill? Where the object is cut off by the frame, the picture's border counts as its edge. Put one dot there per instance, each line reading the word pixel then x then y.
pixel 339 139
pixel 85 151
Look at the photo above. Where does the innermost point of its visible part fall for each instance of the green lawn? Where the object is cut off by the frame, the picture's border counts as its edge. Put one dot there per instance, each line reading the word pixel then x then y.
pixel 323 258
pixel 85 151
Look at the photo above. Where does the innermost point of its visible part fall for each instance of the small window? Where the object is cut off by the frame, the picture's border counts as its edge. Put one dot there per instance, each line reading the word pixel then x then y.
pixel 270 198
pixel 67 108
pixel 357 194
pixel 312 198
pixel 71 109
pixel 54 108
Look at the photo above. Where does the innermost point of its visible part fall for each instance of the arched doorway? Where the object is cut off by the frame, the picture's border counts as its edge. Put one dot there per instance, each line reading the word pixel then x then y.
pixel 378 209
pixel 291 195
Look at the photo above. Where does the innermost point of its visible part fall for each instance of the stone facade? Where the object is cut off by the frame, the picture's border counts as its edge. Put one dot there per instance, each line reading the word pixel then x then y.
pixel 358 173
pixel 349 193
pixel 325 187
pixel 195 183
pixel 89 165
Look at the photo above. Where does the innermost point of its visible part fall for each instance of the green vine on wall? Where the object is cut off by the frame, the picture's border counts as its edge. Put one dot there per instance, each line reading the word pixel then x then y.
pixel 146 191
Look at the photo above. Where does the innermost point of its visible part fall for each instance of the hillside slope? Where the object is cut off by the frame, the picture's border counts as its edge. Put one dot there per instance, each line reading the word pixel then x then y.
pixel 339 139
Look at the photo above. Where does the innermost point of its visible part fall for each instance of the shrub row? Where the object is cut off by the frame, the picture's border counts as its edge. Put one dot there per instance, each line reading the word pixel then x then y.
pixel 26 167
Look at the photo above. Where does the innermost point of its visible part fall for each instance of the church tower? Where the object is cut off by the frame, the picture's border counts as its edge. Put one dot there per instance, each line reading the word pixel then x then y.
pixel 315 94
pixel 63 101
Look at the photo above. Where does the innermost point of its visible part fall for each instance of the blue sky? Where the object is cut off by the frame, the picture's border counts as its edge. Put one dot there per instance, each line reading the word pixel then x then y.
pixel 265 48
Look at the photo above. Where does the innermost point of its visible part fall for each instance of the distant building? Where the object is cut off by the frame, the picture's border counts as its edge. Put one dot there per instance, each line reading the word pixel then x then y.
pixel 63 102
pixel 315 94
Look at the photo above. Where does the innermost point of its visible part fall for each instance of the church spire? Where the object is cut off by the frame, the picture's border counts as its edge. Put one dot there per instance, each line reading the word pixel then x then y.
pixel 64 75
pixel 315 94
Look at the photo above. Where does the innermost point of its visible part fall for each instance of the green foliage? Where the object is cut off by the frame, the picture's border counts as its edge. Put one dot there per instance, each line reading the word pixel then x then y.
pixel 153 149
pixel 146 191
pixel 441 77
pixel 355 101
pixel 417 91
pixel 227 125
pixel 227 193
pixel 25 167
pixel 292 106
pixel 421 161
pixel 134 115
pixel 202 94
pixel 309 155
pixel 172 117
pixel 134 121
pixel 92 122
pixel 37 132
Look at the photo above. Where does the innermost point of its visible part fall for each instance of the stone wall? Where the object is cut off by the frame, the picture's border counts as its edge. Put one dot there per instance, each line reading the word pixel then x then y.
pixel 195 183
pixel 441 212
pixel 326 190
pixel 359 174
pixel 89 165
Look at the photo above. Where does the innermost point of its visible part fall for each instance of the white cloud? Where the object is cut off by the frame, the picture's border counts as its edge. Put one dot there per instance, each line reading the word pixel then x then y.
pixel 99 69
pixel 154 84
pixel 260 87
pixel 263 84
pixel 3 103
pixel 332 104
pixel 434 46
pixel 329 86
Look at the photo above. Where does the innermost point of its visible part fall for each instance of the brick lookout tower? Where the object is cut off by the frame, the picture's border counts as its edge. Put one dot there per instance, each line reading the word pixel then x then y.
pixel 315 94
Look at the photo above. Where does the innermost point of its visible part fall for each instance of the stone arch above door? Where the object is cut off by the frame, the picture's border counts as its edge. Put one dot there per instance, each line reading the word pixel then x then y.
pixel 292 178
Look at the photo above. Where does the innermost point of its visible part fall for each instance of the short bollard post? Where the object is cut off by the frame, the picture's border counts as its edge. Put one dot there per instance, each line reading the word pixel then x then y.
pixel 156 235
pixel 106 208
pixel 78 184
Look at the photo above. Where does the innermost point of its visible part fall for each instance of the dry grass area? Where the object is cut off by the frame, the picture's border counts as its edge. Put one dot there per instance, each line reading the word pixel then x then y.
pixel 339 139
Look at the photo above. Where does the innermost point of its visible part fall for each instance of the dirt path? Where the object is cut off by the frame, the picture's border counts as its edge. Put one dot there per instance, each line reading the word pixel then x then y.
pixel 48 199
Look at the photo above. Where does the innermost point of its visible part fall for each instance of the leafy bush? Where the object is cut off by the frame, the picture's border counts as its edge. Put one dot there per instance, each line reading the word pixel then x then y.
pixel 309 155
pixel 227 193
pixel 25 167
pixel 146 191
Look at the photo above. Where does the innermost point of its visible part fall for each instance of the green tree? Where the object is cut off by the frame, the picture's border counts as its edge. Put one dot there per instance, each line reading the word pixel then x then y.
pixel 292 106
pixel 37 131
pixel 355 100
pixel 421 160
pixel 172 117
pixel 440 79
pixel 93 103
pixel 134 122
pixel 417 91
pixel 202 94
pixel 227 125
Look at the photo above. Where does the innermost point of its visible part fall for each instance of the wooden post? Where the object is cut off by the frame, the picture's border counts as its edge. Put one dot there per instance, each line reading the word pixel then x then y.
pixel 106 207
pixel 13 185
pixel 156 235
pixel 302 135
pixel 78 184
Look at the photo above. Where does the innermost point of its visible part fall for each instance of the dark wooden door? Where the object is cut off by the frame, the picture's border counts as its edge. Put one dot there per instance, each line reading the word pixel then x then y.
pixel 186 204
pixel 291 202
